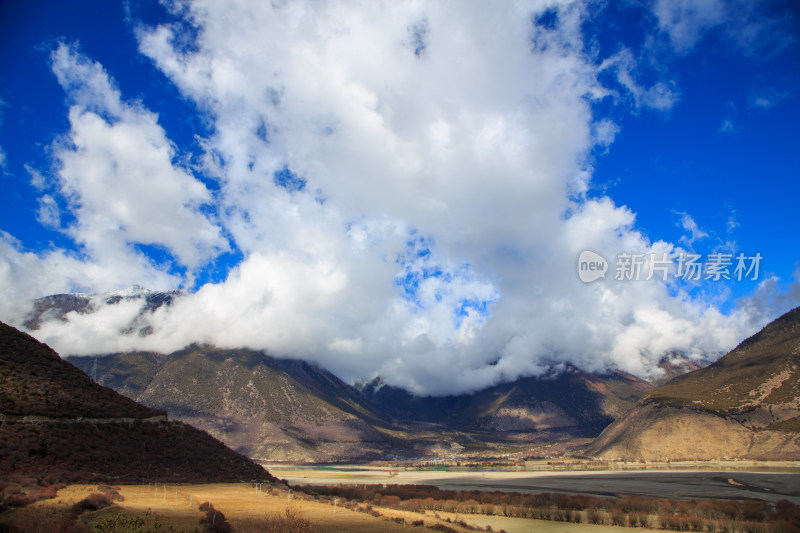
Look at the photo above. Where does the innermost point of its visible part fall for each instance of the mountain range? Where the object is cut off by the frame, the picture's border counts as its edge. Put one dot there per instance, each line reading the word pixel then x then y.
pixel 745 405
pixel 274 409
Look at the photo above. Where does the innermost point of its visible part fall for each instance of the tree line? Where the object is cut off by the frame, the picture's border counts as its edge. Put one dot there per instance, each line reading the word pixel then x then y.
pixel 724 516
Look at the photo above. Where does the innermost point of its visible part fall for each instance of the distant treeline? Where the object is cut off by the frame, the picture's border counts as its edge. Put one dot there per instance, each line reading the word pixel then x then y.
pixel 724 516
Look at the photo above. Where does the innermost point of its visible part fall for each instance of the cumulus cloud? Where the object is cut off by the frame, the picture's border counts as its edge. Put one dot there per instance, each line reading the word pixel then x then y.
pixel 115 188
pixel 117 173
pixel 407 184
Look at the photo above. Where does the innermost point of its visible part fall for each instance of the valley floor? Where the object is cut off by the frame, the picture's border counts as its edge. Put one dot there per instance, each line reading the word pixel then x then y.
pixel 771 486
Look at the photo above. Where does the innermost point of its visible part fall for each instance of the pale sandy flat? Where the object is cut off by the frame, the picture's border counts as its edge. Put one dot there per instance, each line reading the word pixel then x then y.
pixel 770 486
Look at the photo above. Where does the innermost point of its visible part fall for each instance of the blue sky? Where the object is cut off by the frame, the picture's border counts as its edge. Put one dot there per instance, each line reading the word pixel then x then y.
pixel 725 154
pixel 410 184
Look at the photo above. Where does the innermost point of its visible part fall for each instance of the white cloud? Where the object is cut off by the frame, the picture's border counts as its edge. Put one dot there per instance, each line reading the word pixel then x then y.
pixel 687 21
pixel 605 131
pixel 117 174
pixel 3 158
pixel 732 223
pixel 49 213
pixel 39 181
pixel 660 96
pixel 116 181
pixel 434 239
pixel 688 223
pixel 727 126
pixel 25 276
pixel 770 298
pixel 767 97
pixel 752 26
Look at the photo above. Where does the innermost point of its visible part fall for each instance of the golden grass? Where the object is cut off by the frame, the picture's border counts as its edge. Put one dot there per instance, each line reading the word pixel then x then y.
pixel 522 525
pixel 177 505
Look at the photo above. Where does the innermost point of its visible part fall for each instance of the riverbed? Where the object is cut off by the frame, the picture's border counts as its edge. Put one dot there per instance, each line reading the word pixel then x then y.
pixel 768 486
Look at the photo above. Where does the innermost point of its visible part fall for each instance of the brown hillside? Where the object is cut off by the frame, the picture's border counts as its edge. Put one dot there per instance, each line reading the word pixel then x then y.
pixel 761 376
pixel 59 426
pixel 35 381
pixel 746 405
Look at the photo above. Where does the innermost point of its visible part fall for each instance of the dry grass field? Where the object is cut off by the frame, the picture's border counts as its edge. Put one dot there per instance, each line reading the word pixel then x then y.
pixel 176 506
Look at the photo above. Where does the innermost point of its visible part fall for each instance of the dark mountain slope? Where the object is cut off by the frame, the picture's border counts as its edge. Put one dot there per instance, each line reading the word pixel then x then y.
pixel 35 381
pixel 572 403
pixel 57 424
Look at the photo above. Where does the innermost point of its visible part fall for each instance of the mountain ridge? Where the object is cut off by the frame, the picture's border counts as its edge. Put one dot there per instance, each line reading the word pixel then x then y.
pixel 274 409
pixel 569 398
pixel 745 405
pixel 231 393
pixel 250 401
